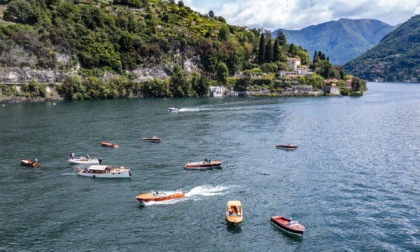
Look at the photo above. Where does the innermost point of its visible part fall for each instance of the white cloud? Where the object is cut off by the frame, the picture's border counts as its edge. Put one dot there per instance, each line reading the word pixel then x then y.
pixel 297 14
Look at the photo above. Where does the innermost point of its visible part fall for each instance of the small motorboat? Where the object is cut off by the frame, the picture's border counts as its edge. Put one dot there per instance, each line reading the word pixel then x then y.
pixel 105 171
pixel 286 146
pixel 110 145
pixel 153 139
pixel 86 160
pixel 287 225
pixel 234 214
pixel 173 109
pixel 159 196
pixel 30 163
pixel 202 164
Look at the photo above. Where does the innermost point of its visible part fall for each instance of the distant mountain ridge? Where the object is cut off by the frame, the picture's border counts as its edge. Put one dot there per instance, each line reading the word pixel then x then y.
pixel 396 58
pixel 341 40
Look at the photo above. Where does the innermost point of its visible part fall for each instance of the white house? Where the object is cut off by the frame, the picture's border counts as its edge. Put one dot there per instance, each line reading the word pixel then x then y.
pixel 216 91
pixel 293 63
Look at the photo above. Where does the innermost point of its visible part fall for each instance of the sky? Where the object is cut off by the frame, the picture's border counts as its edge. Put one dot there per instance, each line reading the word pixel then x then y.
pixel 298 14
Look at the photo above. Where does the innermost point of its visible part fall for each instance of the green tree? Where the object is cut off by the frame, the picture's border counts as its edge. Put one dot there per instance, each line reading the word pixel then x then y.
pixel 211 14
pixel 276 50
pixel 222 73
pixel 282 39
pixel 261 50
pixel 20 11
pixel 269 51
pixel 179 83
pixel 224 33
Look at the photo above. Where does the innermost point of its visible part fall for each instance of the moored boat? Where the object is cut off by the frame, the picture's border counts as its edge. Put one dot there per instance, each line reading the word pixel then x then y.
pixel 159 196
pixel 202 164
pixel 85 161
pixel 30 163
pixel 153 139
pixel 110 145
pixel 173 109
pixel 234 212
pixel 105 171
pixel 286 146
pixel 287 225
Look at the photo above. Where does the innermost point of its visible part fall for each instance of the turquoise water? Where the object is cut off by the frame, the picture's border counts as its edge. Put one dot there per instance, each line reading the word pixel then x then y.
pixel 353 182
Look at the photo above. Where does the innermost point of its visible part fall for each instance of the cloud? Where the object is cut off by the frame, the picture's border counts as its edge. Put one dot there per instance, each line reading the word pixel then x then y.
pixel 297 14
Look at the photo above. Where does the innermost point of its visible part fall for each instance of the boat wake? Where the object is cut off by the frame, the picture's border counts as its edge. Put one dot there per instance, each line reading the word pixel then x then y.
pixel 69 174
pixel 207 190
pixel 189 110
pixel 195 194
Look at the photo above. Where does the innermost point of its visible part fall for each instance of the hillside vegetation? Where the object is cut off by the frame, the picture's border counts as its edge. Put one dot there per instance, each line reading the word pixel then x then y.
pixel 342 40
pixel 101 45
pixel 396 58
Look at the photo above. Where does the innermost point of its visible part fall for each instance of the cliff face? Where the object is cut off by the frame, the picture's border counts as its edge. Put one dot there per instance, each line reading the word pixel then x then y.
pixel 17 76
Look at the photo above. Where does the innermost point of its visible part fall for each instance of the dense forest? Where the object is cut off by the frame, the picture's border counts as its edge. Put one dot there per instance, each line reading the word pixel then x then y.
pixel 396 58
pixel 101 44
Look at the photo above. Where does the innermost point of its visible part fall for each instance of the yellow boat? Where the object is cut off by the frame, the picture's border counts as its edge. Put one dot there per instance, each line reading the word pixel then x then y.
pixel 234 214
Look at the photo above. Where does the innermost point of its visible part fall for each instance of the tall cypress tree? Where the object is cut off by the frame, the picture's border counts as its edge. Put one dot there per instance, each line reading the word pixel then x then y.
pixel 261 51
pixel 269 51
pixel 276 51
pixel 282 39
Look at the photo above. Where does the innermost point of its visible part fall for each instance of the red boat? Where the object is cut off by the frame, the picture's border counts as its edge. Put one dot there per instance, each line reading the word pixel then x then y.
pixel 286 146
pixel 110 145
pixel 202 164
pixel 159 196
pixel 287 225
pixel 30 163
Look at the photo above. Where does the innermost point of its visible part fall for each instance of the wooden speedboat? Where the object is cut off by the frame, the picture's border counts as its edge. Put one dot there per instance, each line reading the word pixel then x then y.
pixel 173 109
pixel 110 145
pixel 287 225
pixel 30 163
pixel 159 196
pixel 286 146
pixel 105 171
pixel 202 164
pixel 153 139
pixel 234 212
pixel 85 161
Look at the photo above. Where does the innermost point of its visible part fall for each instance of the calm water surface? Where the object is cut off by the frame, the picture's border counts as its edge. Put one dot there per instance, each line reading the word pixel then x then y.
pixel 353 182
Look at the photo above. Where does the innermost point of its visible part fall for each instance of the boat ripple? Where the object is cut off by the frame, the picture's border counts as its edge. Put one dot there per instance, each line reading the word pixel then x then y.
pixel 208 190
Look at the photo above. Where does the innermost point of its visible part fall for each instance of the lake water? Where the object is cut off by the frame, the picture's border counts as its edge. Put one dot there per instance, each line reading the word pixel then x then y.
pixel 353 182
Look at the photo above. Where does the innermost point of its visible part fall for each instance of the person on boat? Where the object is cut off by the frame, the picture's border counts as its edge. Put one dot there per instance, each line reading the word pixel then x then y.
pixel 36 161
pixel 100 160
pixel 72 155
pixel 87 156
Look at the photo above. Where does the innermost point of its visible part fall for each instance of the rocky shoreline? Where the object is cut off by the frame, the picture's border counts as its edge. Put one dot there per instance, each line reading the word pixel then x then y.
pixel 23 99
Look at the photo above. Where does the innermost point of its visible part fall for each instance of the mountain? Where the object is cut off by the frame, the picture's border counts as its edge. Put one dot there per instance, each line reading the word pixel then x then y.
pixel 396 58
pixel 341 40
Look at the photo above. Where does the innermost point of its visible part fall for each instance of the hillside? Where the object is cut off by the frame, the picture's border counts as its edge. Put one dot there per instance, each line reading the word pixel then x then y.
pixel 396 58
pixel 108 49
pixel 341 40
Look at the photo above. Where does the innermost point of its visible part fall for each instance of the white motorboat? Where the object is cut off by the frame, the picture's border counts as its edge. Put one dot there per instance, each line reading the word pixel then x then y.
pixel 85 161
pixel 173 109
pixel 105 171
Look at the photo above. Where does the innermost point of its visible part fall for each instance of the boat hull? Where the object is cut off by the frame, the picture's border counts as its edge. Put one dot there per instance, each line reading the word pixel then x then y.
pixel 29 163
pixel 148 197
pixel 286 147
pixel 151 139
pixel 109 145
pixel 282 223
pixel 202 165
